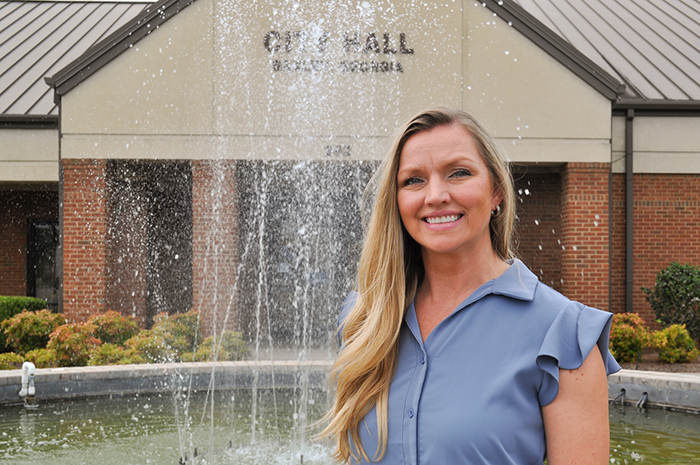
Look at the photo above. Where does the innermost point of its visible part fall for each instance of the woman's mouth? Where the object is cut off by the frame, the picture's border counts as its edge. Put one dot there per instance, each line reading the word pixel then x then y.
pixel 443 219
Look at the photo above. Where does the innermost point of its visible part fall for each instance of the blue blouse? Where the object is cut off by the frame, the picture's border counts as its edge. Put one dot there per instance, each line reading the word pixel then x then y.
pixel 472 393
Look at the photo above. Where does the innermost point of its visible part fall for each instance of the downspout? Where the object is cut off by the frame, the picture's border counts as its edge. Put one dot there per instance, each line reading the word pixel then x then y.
pixel 629 211
pixel 59 265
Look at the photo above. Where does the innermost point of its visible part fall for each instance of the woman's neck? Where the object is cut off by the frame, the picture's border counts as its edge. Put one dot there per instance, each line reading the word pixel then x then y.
pixel 449 280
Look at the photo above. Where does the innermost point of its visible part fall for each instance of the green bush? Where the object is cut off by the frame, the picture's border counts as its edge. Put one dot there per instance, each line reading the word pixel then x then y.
pixel 112 354
pixel 30 330
pixel 229 346
pixel 114 328
pixel 675 297
pixel 152 347
pixel 42 358
pixel 10 361
pixel 73 343
pixel 628 337
pixel 675 345
pixel 179 331
pixel 11 306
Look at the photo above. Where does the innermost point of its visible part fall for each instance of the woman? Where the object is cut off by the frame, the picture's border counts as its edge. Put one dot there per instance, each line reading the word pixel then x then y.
pixel 453 352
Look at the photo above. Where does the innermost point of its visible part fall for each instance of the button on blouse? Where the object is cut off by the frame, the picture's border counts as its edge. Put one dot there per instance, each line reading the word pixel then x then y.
pixel 472 393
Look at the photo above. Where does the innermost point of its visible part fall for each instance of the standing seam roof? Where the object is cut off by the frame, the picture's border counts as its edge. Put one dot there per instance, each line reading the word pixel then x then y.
pixel 40 38
pixel 652 46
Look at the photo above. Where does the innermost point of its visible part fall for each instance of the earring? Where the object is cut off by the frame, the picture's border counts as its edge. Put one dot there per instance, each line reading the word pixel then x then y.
pixel 496 211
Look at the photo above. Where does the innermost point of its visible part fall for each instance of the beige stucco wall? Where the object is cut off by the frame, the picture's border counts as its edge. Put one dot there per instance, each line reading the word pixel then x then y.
pixel 537 107
pixel 668 145
pixel 204 85
pixel 162 85
pixel 29 155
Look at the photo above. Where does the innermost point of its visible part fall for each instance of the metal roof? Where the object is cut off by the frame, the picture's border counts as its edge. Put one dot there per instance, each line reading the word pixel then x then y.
pixel 652 46
pixel 635 52
pixel 39 38
pixel 150 19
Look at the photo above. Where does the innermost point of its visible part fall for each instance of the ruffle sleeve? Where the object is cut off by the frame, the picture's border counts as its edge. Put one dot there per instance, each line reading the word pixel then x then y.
pixel 567 343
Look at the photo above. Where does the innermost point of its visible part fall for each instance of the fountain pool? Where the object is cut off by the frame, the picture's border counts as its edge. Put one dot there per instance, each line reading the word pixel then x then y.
pixel 166 428
pixel 173 428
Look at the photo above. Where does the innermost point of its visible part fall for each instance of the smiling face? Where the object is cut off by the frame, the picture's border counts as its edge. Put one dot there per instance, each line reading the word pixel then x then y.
pixel 445 193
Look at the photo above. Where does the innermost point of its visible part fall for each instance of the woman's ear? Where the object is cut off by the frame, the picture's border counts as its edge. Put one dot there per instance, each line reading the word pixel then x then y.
pixel 497 198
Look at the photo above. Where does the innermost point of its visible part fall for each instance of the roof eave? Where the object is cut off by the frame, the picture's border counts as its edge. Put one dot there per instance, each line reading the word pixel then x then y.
pixel 658 107
pixel 28 121
pixel 557 47
pixel 114 45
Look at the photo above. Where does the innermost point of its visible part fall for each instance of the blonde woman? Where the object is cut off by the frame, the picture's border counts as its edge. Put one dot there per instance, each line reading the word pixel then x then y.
pixel 452 351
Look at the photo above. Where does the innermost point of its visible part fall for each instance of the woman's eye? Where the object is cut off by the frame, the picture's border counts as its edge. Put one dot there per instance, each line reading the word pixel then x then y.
pixel 411 181
pixel 460 173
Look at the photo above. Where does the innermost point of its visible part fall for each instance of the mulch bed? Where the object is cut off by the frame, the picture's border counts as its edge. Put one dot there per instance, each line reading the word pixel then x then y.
pixel 650 362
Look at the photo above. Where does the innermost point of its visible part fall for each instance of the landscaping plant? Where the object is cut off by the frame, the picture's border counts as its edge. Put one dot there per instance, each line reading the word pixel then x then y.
pixel 675 297
pixel 73 343
pixel 112 338
pixel 675 345
pixel 113 328
pixel 11 306
pixel 30 330
pixel 628 337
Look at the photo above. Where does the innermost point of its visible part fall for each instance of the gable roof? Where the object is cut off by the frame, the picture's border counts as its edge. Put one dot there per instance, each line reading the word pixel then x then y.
pixel 637 53
pixel 153 16
pixel 41 38
pixel 114 45
pixel 652 46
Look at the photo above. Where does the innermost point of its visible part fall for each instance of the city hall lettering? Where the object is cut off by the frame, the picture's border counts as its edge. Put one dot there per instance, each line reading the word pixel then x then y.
pixel 366 53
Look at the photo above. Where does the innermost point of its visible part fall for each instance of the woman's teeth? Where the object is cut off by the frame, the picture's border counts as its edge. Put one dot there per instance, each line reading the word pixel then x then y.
pixel 443 219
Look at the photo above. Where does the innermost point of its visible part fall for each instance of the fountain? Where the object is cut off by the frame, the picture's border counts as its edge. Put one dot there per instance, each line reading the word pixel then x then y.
pixel 234 141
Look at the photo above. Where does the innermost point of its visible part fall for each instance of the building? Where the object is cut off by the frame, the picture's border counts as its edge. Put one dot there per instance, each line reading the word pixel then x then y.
pixel 212 153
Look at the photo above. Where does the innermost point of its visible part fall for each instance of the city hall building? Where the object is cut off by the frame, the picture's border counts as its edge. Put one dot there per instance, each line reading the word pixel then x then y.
pixel 212 154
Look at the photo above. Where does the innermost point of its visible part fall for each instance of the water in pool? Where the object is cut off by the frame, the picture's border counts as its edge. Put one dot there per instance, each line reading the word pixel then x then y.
pixel 163 429
pixel 160 429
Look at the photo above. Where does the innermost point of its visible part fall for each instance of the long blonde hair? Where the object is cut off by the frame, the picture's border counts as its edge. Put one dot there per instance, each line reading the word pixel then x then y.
pixel 389 273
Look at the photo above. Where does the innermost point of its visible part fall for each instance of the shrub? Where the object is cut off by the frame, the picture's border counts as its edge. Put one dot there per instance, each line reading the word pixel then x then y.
pixel 42 358
pixel 179 331
pixel 73 343
pixel 675 297
pixel 229 346
pixel 675 345
pixel 112 354
pixel 152 347
pixel 10 361
pixel 30 330
pixel 11 306
pixel 628 337
pixel 114 328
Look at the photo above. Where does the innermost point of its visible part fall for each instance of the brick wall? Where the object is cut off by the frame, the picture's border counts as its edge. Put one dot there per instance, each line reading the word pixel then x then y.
pixel 215 244
pixel 584 237
pixel 538 227
pixel 666 221
pixel 84 240
pixel 16 208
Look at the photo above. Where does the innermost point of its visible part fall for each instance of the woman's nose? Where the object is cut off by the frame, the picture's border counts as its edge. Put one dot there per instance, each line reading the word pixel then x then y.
pixel 436 193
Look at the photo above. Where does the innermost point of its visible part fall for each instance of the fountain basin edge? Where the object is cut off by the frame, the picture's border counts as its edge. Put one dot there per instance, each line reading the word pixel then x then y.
pixel 676 391
pixel 92 381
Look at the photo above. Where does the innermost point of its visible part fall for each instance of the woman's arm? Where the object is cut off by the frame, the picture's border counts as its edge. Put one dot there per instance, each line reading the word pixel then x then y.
pixel 576 423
